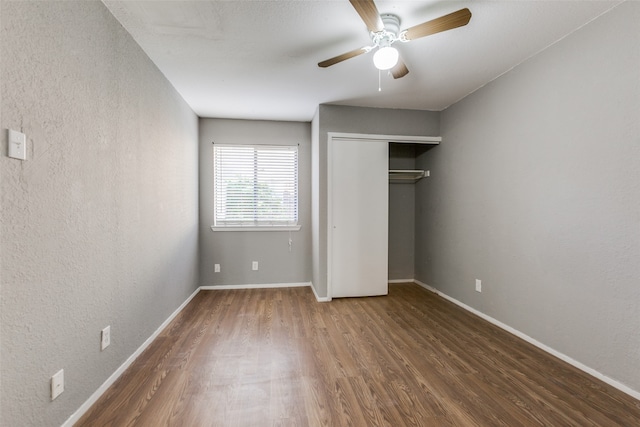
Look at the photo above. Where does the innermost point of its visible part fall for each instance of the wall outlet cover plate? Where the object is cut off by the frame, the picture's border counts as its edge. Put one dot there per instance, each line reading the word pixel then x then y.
pixel 17 144
pixel 57 384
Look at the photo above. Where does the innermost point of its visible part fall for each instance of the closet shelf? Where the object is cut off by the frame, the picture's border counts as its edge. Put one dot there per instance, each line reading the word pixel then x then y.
pixel 406 175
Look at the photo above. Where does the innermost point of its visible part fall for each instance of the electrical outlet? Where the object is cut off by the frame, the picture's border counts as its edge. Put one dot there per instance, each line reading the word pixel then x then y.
pixel 17 144
pixel 254 265
pixel 216 268
pixel 478 285
pixel 105 338
pixel 57 384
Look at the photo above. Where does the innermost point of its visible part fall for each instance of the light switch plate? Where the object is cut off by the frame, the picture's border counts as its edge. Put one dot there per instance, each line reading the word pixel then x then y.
pixel 17 144
pixel 105 338
pixel 57 384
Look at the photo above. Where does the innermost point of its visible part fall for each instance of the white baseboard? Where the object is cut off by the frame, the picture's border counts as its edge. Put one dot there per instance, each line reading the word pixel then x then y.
pixel 392 281
pixel 112 379
pixel 268 285
pixel 256 286
pixel 118 372
pixel 319 299
pixel 622 387
pixel 429 288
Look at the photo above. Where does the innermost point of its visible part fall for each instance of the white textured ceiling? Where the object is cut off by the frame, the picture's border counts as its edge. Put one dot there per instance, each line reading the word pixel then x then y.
pixel 250 59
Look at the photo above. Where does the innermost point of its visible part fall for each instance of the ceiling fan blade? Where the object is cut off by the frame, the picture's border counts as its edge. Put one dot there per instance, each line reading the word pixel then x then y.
pixel 444 23
pixel 332 61
pixel 399 70
pixel 369 13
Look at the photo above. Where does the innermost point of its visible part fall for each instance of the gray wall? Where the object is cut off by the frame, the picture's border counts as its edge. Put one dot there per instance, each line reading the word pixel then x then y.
pixel 99 224
pixel 315 200
pixel 536 191
pixel 401 214
pixel 235 250
pixel 336 118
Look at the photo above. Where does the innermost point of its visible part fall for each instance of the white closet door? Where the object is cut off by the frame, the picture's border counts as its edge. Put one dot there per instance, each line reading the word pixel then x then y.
pixel 358 217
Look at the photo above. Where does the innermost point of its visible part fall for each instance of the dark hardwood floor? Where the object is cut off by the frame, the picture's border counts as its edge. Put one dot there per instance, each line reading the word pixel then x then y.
pixel 276 357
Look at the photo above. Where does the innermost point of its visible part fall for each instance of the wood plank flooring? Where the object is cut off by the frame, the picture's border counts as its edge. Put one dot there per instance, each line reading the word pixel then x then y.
pixel 276 357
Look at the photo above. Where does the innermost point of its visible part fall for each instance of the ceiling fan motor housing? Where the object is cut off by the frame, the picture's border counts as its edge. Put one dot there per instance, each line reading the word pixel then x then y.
pixel 387 56
pixel 389 34
pixel 391 23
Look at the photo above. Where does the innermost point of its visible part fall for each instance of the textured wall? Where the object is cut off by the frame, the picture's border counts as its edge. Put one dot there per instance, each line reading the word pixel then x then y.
pixel 401 214
pixel 336 118
pixel 536 191
pixel 315 200
pixel 99 224
pixel 235 250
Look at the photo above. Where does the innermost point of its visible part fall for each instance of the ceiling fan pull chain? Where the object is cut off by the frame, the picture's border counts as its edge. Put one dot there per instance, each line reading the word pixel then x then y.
pixel 379 85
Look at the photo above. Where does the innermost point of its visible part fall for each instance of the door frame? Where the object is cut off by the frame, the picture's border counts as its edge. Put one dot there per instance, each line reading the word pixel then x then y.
pixel 400 139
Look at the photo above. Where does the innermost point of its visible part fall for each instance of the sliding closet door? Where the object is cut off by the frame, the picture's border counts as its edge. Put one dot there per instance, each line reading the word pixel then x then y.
pixel 358 217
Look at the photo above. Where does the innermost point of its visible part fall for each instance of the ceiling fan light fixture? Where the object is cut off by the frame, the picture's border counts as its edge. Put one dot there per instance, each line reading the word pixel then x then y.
pixel 385 58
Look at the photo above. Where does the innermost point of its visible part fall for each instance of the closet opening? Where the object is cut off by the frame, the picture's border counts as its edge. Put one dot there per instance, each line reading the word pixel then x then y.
pixel 405 174
pixel 358 208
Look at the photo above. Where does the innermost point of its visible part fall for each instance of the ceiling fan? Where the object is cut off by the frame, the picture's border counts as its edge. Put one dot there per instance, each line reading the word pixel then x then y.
pixel 385 31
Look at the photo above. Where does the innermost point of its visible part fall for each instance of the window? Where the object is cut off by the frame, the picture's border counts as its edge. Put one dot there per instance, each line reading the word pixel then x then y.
pixel 255 186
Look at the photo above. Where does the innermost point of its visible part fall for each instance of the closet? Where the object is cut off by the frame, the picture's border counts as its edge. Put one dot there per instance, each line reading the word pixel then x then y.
pixel 358 198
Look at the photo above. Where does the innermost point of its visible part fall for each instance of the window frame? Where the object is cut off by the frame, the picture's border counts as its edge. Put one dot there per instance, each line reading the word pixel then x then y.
pixel 256 225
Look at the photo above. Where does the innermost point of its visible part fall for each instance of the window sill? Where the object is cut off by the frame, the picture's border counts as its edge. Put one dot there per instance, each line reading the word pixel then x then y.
pixel 257 228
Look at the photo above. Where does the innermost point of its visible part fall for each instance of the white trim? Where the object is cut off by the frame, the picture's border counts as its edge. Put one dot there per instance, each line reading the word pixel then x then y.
pixel 256 228
pixel 227 156
pixel 267 286
pixel 620 386
pixel 408 139
pixel 329 213
pixel 118 372
pixel 319 299
pixel 400 281
pixel 400 139
pixel 429 288
pixel 258 144
pixel 255 286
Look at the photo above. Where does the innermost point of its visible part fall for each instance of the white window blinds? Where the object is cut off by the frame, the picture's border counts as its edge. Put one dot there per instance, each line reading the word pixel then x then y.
pixel 255 185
